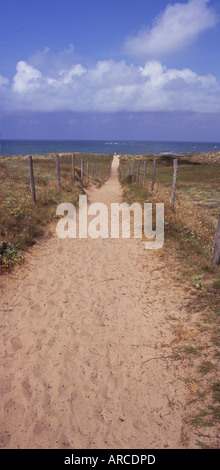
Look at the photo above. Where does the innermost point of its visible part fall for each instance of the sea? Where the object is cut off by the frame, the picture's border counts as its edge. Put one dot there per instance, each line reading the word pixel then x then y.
pixel 42 147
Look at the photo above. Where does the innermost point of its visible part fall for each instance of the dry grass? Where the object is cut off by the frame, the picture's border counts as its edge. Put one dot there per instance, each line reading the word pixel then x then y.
pixel 189 239
pixel 22 221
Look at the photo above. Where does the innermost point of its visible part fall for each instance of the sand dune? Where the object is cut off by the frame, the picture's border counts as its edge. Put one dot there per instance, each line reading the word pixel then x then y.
pixel 84 345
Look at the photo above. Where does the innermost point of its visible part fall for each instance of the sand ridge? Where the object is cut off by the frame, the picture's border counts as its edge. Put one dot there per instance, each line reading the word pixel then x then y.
pixel 84 337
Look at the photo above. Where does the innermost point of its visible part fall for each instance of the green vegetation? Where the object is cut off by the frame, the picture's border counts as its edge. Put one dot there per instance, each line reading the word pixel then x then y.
pixel 190 232
pixel 216 391
pixel 203 418
pixel 22 221
pixel 9 255
pixel 206 366
pixel 189 235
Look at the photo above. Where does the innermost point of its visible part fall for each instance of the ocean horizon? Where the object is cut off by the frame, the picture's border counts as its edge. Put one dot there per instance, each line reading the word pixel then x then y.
pixel 42 147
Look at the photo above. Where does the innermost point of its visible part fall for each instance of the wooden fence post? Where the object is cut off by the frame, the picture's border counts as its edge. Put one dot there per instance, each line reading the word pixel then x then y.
pixel 82 168
pixel 132 172
pixel 73 167
pixel 32 178
pixel 127 172
pixel 138 171
pixel 216 254
pixel 175 173
pixel 92 170
pixel 122 176
pixel 58 170
pixel 153 175
pixel 87 172
pixel 144 175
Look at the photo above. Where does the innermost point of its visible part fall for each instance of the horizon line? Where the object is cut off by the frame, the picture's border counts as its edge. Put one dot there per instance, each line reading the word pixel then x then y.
pixel 111 140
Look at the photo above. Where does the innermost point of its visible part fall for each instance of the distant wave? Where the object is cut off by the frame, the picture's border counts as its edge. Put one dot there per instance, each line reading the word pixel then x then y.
pixel 42 147
pixel 168 153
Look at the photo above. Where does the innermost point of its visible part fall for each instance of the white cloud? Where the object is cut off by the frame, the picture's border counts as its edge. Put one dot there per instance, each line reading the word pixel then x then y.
pixel 49 62
pixel 75 71
pixel 111 86
pixel 3 81
pixel 177 27
pixel 27 78
pixel 59 82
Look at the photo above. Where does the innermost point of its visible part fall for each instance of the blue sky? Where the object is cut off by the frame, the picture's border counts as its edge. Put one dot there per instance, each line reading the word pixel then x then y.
pixel 93 69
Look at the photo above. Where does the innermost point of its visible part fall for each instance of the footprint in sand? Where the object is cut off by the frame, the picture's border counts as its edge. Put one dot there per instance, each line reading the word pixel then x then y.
pixel 4 439
pixel 26 388
pixel 83 416
pixel 5 384
pixel 16 344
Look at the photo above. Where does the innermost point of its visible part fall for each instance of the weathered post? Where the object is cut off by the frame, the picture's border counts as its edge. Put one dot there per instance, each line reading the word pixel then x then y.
pixel 153 175
pixel 216 254
pixel 132 172
pixel 32 178
pixel 92 170
pixel 175 174
pixel 87 172
pixel 121 171
pixel 138 171
pixel 58 170
pixel 82 168
pixel 73 167
pixel 144 174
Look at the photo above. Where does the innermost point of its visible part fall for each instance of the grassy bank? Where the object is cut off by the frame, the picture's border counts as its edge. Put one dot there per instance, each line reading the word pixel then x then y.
pixel 189 239
pixel 22 221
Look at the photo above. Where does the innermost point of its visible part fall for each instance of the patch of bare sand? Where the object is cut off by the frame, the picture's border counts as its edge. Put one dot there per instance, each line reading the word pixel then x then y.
pixel 85 346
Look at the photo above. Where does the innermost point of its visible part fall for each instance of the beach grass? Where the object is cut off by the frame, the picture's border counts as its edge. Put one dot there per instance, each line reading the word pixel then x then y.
pixel 199 180
pixel 22 221
pixel 190 232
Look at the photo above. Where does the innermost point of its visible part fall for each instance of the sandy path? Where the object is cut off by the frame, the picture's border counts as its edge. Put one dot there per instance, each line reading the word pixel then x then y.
pixel 79 323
